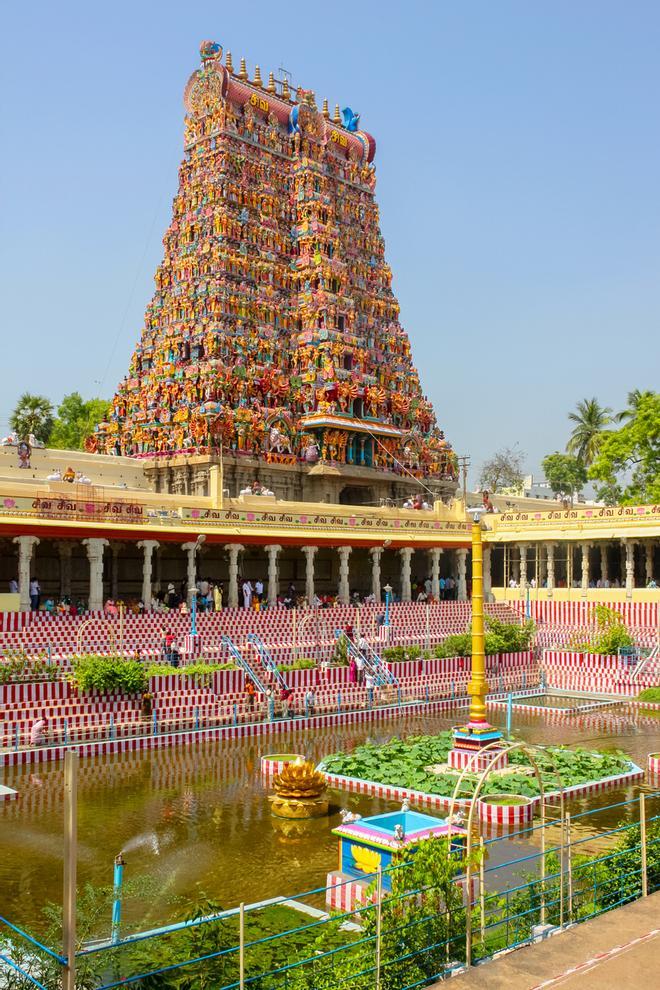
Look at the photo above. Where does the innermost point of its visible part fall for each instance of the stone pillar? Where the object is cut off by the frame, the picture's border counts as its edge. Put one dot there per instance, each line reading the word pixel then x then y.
pixel 543 564
pixel 648 561
pixel 603 562
pixel 550 552
pixel 148 547
pixel 376 553
pixel 461 557
pixel 191 570
pixel 584 573
pixel 26 545
pixel 232 596
pixel 65 549
pixel 630 567
pixel 310 553
pixel 273 550
pixel 95 548
pixel 344 590
pixel 487 576
pixel 434 554
pixel 406 587
pixel 523 565
pixel 115 549
pixel 159 569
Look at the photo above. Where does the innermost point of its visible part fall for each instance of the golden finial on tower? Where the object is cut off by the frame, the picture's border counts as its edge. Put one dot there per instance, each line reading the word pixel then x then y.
pixel 311 99
pixel 326 110
pixel 271 82
pixel 286 92
pixel 337 117
pixel 229 63
pixel 257 76
pixel 242 72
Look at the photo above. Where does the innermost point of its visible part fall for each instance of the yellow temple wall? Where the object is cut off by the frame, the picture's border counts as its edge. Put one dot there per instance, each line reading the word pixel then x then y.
pixel 579 524
pixel 603 596
pixel 101 469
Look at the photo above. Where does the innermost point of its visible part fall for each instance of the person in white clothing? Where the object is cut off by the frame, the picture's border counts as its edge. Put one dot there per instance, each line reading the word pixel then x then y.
pixel 247 594
pixel 35 594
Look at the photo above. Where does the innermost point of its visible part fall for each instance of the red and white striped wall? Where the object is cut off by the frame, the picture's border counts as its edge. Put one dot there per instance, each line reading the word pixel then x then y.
pixel 163 740
pixel 506 814
pixel 442 803
pixel 458 759
pixel 582 612
pixel 345 894
pixel 572 671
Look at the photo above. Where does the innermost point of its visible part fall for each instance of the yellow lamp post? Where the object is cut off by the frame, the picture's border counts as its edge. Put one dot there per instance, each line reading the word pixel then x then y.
pixel 478 686
pixel 478 733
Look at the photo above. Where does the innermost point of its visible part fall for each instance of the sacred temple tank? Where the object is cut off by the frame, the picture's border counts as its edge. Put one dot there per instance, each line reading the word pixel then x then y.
pixel 273 332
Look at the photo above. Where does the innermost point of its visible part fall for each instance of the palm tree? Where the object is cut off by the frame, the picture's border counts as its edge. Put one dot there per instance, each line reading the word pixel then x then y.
pixel 32 414
pixel 590 420
pixel 634 399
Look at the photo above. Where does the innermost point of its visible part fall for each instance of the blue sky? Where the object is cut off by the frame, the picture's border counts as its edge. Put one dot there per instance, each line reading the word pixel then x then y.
pixel 518 161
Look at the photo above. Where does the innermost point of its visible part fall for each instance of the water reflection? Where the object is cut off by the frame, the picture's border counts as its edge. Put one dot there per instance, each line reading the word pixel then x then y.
pixel 197 820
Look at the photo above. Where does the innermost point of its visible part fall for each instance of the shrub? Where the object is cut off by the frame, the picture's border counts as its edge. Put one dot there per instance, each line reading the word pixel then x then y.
pixel 501 637
pixel 92 672
pixel 650 694
pixel 612 634
pixel 340 655
pixel 304 663
pixel 397 654
pixel 198 671
pixel 18 666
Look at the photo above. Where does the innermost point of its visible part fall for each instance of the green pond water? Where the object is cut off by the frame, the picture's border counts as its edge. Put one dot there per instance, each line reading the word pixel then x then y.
pixel 196 820
pixel 556 701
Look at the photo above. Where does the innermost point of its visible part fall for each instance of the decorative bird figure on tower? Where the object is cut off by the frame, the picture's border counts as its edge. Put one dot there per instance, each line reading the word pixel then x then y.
pixel 350 119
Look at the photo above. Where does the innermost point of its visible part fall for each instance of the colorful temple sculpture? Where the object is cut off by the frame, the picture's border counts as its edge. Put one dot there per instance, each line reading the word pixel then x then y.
pixel 273 336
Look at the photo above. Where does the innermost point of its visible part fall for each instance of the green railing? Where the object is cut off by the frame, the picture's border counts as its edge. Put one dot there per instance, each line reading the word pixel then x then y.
pixel 396 939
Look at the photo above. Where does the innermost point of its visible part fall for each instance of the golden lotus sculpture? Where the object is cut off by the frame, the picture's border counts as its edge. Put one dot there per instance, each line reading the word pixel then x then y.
pixel 299 792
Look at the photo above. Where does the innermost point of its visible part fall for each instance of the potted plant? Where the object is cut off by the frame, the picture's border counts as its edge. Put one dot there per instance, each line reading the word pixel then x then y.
pixel 506 809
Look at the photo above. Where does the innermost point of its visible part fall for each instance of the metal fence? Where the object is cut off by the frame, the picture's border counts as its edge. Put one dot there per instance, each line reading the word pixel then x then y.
pixel 404 934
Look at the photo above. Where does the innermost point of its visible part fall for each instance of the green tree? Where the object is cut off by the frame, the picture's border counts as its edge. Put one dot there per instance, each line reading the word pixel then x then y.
pixel 76 419
pixel 32 414
pixel 503 470
pixel 634 399
pixel 565 473
pixel 590 420
pixel 629 457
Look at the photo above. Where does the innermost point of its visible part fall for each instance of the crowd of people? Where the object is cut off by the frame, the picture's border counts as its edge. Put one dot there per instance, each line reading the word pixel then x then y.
pixel 211 598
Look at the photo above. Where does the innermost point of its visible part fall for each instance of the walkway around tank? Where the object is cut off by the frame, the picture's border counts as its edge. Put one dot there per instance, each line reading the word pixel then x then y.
pixel 618 948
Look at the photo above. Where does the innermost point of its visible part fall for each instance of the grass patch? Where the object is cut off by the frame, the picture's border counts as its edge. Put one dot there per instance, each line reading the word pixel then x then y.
pixel 506 800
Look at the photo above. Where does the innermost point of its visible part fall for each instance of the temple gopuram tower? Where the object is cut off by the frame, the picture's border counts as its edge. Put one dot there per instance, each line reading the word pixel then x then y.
pixel 272 341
